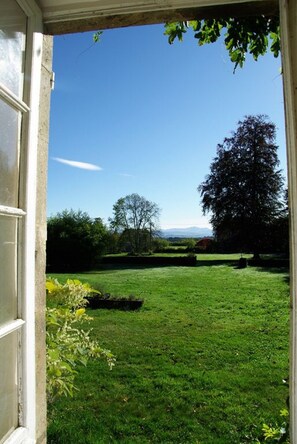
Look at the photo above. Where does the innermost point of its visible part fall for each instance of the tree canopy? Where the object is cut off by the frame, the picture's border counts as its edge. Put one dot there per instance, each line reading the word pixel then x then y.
pixel 242 35
pixel 243 191
pixel 136 218
pixel 75 241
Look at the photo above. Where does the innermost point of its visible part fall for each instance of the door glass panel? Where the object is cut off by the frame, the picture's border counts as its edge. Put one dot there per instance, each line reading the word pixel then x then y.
pixel 8 386
pixel 8 270
pixel 9 154
pixel 12 45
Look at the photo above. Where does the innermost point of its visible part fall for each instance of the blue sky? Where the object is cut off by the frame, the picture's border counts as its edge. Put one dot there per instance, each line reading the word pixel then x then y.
pixel 148 116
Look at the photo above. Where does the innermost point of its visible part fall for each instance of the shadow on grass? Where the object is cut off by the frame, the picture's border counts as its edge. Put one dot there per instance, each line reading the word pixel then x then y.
pixel 274 270
pixel 110 268
pixel 216 262
pixel 263 266
pixel 199 263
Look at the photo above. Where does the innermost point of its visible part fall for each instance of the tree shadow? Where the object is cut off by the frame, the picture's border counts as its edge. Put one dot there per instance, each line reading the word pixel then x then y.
pixel 200 263
pixel 110 268
pixel 217 262
pixel 280 269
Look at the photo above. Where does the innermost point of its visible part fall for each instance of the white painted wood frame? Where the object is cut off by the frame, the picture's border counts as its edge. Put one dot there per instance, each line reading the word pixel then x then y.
pixel 72 13
pixel 24 325
pixel 288 16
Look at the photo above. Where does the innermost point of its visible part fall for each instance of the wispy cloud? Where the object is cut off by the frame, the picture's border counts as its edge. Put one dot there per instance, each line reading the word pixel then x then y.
pixel 75 164
pixel 126 175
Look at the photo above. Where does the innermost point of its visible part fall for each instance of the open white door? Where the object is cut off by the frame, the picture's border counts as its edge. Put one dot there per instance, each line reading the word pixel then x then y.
pixel 20 55
pixel 288 16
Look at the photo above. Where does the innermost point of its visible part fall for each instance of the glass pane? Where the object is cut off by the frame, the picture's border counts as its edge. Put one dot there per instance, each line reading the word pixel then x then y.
pixel 8 269
pixel 9 154
pixel 12 45
pixel 8 386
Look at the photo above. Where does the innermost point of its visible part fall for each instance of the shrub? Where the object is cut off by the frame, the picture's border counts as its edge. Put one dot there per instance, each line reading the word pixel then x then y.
pixel 279 432
pixel 75 241
pixel 159 244
pixel 67 344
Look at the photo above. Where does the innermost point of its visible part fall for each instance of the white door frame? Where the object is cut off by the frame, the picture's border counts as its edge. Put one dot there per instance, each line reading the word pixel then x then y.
pixel 24 325
pixel 288 15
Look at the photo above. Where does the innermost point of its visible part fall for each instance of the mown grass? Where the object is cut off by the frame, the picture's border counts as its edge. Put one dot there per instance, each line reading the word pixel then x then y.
pixel 200 256
pixel 201 362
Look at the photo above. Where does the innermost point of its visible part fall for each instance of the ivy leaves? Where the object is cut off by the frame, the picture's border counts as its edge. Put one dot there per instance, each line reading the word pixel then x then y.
pixel 244 35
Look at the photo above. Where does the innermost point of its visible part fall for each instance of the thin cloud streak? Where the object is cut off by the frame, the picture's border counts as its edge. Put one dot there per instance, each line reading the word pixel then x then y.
pixel 126 175
pixel 76 164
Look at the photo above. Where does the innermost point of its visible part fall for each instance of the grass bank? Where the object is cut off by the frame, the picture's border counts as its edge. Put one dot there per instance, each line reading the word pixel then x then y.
pixel 201 362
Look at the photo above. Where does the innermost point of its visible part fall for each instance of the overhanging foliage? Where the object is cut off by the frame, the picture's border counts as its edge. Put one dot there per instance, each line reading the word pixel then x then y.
pixel 242 35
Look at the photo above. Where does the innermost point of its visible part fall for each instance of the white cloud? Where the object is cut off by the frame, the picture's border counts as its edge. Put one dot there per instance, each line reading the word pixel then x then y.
pixel 75 164
pixel 126 175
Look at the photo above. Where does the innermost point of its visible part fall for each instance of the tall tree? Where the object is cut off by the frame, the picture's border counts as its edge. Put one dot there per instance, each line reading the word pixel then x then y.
pixel 136 218
pixel 244 188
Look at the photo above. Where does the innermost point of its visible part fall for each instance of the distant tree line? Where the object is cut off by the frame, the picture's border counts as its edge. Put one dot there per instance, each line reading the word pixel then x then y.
pixel 244 194
pixel 75 241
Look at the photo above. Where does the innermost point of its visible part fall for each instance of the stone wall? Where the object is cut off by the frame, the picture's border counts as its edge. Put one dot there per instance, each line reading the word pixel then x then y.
pixel 40 252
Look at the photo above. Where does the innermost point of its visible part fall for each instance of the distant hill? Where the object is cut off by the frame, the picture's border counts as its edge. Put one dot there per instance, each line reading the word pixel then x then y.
pixel 186 232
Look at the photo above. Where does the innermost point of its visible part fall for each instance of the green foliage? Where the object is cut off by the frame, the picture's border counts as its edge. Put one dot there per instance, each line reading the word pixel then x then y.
pixel 97 36
pixel 67 344
pixel 160 244
pixel 242 35
pixel 72 295
pixel 75 241
pixel 279 432
pixel 113 243
pixel 135 218
pixel 190 243
pixel 244 188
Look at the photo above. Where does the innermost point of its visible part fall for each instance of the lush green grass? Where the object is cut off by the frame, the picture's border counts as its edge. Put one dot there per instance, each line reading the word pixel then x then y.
pixel 221 257
pixel 200 256
pixel 201 362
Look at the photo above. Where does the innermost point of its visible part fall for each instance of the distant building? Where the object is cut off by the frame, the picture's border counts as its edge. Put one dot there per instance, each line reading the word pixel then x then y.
pixel 204 243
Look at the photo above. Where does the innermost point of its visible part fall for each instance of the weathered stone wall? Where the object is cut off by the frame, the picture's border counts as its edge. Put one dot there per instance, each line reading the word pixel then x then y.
pixel 87 16
pixel 40 253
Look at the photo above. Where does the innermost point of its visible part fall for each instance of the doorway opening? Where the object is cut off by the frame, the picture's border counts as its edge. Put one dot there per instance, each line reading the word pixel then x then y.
pixel 202 343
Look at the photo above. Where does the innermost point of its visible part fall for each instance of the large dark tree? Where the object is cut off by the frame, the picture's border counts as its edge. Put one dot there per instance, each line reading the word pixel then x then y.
pixel 75 241
pixel 244 188
pixel 136 218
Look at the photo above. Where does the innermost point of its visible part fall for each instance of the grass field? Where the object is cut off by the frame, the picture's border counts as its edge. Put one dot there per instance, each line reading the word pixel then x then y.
pixel 201 362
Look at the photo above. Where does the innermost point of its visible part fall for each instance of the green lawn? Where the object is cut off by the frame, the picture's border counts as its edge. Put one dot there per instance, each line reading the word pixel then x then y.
pixel 200 256
pixel 201 362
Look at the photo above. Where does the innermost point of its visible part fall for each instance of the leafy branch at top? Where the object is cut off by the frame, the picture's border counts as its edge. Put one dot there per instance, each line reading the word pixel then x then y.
pixel 97 36
pixel 244 35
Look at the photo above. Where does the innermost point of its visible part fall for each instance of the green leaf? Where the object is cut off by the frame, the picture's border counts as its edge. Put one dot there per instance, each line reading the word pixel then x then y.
pixel 96 36
pixel 245 34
